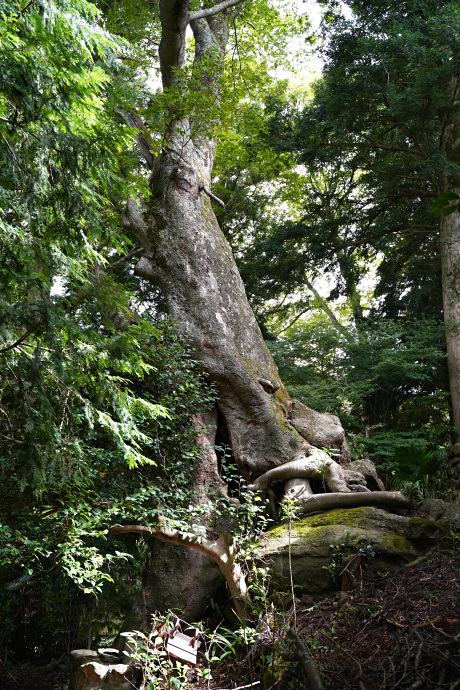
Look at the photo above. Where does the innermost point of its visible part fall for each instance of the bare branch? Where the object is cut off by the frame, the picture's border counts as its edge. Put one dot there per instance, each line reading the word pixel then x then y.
pixel 211 11
pixel 18 341
pixel 296 318
pixel 11 150
pixel 26 8
pixel 127 256
pixel 334 320
pixel 13 440
pixel 212 196
pixel 144 141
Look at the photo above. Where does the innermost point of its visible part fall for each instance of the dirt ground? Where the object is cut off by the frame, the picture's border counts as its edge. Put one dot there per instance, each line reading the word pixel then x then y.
pixel 396 631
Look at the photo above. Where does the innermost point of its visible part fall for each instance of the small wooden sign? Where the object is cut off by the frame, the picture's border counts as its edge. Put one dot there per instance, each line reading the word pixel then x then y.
pixel 182 646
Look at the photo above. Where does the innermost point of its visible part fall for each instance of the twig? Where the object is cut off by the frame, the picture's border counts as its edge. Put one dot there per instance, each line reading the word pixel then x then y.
pixel 241 687
pixel 11 150
pixel 26 8
pixel 419 654
pixel 304 311
pixel 326 308
pixel 13 440
pixel 331 639
pixel 425 624
pixel 280 680
pixel 134 251
pixel 449 637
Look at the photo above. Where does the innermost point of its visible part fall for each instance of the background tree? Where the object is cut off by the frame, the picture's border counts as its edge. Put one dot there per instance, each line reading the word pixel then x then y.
pixel 370 142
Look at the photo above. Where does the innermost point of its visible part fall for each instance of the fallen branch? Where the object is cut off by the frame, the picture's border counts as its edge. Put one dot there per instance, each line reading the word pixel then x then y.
pixel 425 624
pixel 331 639
pixel 242 687
pixel 308 665
pixel 455 639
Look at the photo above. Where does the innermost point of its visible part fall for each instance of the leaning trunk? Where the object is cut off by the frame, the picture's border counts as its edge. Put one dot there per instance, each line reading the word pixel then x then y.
pixel 193 265
pixel 187 256
pixel 189 259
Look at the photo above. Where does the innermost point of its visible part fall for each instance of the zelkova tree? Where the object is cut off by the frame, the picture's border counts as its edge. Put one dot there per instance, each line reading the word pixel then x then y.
pixel 188 258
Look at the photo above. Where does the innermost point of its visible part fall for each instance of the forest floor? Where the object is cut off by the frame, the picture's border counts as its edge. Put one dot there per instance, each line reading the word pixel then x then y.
pixel 399 630
pixel 396 630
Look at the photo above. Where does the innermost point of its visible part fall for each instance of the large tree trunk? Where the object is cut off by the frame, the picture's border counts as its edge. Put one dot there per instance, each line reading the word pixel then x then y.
pixel 450 259
pixel 188 258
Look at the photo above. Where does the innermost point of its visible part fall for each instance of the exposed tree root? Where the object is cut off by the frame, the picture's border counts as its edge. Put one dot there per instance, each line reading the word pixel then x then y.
pixel 222 551
pixel 316 464
pixel 383 499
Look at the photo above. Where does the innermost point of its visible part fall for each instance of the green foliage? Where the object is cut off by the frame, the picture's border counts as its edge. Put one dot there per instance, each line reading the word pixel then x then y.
pixel 382 375
pixel 162 671
pixel 149 651
pixel 358 215
pixel 370 140
pixel 65 530
pixel 444 205
pixel 346 557
pixel 96 401
pixel 419 470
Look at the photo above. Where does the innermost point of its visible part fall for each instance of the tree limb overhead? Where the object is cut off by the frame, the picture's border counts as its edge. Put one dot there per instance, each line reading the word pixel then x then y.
pixel 212 11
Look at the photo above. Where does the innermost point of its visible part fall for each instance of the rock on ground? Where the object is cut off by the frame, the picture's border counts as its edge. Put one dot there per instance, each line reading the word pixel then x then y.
pixel 445 511
pixel 90 672
pixel 396 540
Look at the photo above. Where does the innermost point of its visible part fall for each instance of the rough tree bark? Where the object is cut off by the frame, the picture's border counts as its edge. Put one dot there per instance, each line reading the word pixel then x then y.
pixel 450 256
pixel 188 258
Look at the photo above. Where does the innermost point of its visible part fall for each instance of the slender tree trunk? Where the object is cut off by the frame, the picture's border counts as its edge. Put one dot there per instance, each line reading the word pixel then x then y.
pixel 450 260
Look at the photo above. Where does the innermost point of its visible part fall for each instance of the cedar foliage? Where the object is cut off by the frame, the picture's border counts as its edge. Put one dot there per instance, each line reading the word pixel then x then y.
pixel 368 141
pixel 96 390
